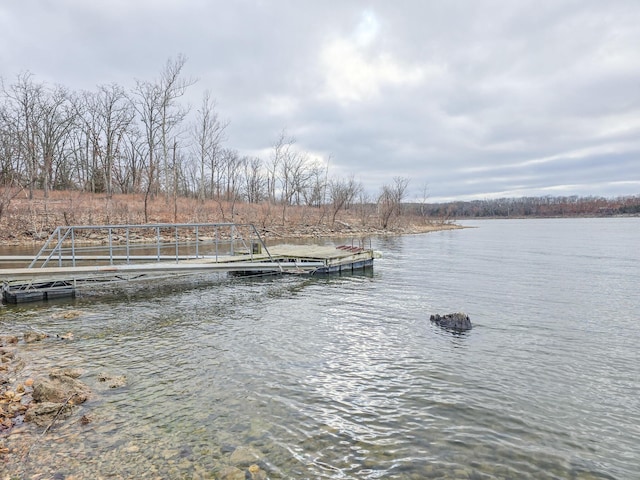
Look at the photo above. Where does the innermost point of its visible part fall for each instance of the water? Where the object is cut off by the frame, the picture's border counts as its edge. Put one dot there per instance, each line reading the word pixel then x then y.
pixel 344 377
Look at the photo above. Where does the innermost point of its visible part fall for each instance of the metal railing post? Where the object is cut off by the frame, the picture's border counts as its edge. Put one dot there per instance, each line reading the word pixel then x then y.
pixel 73 247
pixel 127 236
pixel 110 248
pixel 59 251
pixel 176 228
pixel 197 241
pixel 233 231
pixel 158 243
pixel 215 236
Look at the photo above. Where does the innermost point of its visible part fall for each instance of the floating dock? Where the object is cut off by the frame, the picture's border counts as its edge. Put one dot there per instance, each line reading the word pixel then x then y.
pixel 78 256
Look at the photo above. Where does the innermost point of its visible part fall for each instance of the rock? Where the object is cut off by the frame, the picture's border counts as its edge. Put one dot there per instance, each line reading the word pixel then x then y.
pixel 453 321
pixel 257 473
pixel 113 381
pixel 245 456
pixel 71 314
pixel 33 336
pixel 66 372
pixel 8 340
pixel 86 419
pixel 43 413
pixel 7 355
pixel 60 389
pixel 231 473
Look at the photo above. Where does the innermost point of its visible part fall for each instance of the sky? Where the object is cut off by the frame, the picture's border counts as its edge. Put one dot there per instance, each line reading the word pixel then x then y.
pixel 468 99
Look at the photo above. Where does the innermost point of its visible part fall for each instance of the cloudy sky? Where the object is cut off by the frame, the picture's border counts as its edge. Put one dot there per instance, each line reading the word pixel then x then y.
pixel 472 98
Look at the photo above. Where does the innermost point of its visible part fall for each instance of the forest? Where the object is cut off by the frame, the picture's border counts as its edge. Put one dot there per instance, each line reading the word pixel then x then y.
pixel 144 143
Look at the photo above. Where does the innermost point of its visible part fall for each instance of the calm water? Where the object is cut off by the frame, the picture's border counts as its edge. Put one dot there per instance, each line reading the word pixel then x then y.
pixel 344 377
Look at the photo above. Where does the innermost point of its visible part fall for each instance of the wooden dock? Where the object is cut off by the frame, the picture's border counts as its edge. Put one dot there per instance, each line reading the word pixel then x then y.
pixel 59 270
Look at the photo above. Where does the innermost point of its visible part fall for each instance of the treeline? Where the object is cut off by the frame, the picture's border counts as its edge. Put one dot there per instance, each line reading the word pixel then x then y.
pixel 547 206
pixel 146 141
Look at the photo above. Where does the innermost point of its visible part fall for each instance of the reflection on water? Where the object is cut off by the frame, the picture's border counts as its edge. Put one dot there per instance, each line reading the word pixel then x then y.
pixel 345 377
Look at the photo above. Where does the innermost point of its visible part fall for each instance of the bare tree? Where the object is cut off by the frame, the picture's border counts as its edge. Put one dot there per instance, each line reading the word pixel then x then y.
pixel 8 171
pixel 364 206
pixel 281 149
pixel 423 201
pixel 207 133
pixel 341 194
pixel 55 116
pixel 148 104
pixel 254 180
pixel 171 87
pixel 108 117
pixel 315 194
pixel 24 97
pixel 390 200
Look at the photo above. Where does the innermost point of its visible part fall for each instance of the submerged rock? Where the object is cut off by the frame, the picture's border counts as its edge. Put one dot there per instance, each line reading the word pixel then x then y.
pixel 245 456
pixel 112 381
pixel 59 389
pixel 231 473
pixel 44 413
pixel 453 321
pixel 33 336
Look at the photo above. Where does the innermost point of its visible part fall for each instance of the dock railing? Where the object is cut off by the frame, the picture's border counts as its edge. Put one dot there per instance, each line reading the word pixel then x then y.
pixel 124 244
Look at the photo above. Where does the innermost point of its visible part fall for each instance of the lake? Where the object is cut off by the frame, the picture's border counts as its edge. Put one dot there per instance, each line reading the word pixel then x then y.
pixel 344 377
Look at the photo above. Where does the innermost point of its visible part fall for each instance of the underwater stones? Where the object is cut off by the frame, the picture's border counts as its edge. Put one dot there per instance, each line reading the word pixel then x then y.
pixel 231 473
pixel 245 456
pixel 43 413
pixel 33 336
pixel 8 340
pixel 60 389
pixel 112 381
pixel 66 372
pixel 256 473
pixel 244 463
pixel 458 322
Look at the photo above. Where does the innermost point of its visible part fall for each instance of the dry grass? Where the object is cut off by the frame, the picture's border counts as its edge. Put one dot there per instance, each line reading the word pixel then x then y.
pixel 25 220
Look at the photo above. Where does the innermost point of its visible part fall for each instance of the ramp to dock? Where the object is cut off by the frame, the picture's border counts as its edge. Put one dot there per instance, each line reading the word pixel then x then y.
pixel 76 256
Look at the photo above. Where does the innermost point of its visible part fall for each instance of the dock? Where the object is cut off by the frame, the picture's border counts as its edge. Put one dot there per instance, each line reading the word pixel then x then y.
pixel 78 256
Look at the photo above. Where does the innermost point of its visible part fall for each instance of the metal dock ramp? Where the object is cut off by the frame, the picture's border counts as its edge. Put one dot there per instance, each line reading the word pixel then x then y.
pixel 78 256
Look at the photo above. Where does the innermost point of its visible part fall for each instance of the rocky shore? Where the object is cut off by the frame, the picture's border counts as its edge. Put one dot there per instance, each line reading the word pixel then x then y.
pixel 40 399
pixel 43 415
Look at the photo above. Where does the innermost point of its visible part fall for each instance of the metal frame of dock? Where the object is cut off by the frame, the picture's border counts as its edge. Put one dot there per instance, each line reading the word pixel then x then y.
pixel 77 256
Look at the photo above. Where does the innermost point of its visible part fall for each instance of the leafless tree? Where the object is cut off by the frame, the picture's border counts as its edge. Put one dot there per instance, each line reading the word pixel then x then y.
pixel 281 149
pixel 254 180
pixel 364 207
pixel 341 194
pixel 390 200
pixel 172 86
pixel 316 191
pixel 108 117
pixel 207 133
pixel 23 99
pixel 148 104
pixel 55 116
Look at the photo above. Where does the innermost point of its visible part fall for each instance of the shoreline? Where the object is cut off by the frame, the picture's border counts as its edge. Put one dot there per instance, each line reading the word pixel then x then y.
pixel 274 233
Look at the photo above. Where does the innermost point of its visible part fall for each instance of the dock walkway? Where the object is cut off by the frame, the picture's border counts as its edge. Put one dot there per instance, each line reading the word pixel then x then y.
pixel 144 252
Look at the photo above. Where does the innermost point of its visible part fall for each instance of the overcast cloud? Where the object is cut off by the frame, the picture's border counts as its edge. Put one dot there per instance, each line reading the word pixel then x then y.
pixel 476 99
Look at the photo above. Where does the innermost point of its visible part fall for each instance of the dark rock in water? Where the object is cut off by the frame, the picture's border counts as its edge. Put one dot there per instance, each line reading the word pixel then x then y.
pixel 453 321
